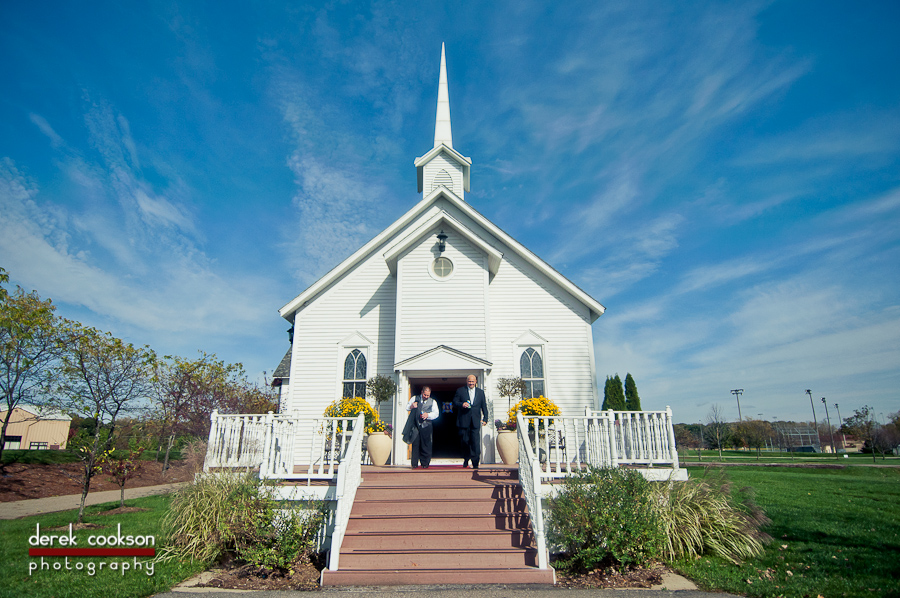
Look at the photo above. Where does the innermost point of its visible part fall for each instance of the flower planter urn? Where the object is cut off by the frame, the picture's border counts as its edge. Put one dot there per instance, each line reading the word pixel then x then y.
pixel 379 446
pixel 508 446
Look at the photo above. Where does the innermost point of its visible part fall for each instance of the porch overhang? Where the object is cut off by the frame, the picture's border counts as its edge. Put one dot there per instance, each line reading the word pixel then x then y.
pixel 442 358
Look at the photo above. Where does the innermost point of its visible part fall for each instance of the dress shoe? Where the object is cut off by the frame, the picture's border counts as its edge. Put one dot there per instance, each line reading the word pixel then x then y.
pixel 465 464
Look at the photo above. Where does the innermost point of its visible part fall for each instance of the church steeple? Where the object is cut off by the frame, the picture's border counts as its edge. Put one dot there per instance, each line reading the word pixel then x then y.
pixel 442 132
pixel 443 166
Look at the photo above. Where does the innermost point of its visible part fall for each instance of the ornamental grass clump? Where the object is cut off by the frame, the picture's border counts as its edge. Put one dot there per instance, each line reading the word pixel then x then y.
pixel 605 517
pixel 704 516
pixel 221 514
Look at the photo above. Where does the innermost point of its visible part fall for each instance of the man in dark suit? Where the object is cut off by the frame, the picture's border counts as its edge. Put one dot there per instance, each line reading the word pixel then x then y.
pixel 469 401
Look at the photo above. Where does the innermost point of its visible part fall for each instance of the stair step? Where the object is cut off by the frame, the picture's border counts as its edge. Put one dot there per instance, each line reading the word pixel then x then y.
pixel 507 521
pixel 437 576
pixel 399 559
pixel 430 506
pixel 437 540
pixel 441 491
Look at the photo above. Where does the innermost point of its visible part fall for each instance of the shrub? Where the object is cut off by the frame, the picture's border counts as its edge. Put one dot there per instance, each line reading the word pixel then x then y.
pixel 227 513
pixel 536 406
pixel 351 407
pixel 700 516
pixel 605 516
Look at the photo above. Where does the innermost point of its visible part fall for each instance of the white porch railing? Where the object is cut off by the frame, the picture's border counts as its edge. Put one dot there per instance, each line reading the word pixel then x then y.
pixel 530 474
pixel 277 444
pixel 285 449
pixel 236 440
pixel 643 437
pixel 349 476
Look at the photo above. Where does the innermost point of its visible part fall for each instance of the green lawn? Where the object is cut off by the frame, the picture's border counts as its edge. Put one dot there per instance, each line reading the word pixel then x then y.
pixel 749 456
pixel 836 533
pixel 14 559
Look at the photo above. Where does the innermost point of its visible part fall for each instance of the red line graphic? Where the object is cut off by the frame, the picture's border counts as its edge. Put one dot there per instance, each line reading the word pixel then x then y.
pixel 91 552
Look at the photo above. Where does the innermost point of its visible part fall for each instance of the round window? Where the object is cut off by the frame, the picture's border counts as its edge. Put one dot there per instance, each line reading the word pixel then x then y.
pixel 442 267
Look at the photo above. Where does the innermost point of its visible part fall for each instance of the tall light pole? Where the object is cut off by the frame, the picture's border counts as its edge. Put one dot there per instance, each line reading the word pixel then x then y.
pixel 830 429
pixel 815 421
pixel 841 422
pixel 737 392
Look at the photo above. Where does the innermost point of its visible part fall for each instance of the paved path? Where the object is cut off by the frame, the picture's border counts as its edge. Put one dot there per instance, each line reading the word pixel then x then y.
pixel 484 591
pixel 53 504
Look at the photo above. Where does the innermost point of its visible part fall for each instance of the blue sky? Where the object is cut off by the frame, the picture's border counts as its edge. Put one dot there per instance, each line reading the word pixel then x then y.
pixel 724 178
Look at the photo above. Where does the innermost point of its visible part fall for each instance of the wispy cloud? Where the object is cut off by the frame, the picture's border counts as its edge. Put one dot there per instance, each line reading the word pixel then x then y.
pixel 114 245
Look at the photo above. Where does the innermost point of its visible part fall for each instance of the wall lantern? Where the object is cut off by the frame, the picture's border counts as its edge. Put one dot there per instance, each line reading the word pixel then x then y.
pixel 442 238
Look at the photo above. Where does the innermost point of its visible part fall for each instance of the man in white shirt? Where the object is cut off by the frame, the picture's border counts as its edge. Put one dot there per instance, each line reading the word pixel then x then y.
pixel 426 411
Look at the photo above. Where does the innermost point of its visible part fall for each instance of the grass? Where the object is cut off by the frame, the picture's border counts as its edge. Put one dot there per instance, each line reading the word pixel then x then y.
pixel 836 533
pixel 14 559
pixel 749 456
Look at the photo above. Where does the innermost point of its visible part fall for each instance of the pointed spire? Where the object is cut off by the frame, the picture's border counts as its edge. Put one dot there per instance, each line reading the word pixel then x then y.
pixel 442 132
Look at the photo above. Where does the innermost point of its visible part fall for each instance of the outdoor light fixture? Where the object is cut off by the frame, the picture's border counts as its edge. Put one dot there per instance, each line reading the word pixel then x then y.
pixel 830 429
pixel 737 392
pixel 442 238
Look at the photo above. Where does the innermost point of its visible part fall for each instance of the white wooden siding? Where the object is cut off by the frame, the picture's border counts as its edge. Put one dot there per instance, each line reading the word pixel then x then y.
pixel 447 311
pixel 363 301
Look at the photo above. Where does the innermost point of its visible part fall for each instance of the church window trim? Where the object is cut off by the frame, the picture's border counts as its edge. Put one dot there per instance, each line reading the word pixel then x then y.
pixel 442 268
pixel 354 370
pixel 533 372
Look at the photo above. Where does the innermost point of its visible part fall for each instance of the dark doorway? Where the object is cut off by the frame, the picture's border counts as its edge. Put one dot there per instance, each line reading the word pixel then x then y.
pixel 446 439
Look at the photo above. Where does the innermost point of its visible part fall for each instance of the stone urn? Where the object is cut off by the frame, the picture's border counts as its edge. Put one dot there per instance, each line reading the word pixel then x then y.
pixel 379 447
pixel 508 446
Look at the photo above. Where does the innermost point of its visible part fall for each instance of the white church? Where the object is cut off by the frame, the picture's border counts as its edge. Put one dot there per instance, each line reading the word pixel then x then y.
pixel 441 293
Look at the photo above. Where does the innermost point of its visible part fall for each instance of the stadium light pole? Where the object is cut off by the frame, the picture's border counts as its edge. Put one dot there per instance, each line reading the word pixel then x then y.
pixel 737 392
pixel 830 429
pixel 815 421
pixel 841 423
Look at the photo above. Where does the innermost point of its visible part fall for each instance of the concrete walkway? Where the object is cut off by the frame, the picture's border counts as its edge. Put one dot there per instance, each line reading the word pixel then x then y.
pixel 458 591
pixel 54 504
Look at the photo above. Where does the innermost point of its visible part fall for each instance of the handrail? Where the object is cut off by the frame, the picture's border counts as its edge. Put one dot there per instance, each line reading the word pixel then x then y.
pixel 349 476
pixel 642 437
pixel 530 479
pixel 236 440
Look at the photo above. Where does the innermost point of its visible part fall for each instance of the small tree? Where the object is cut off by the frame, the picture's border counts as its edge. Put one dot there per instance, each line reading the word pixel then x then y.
pixel 123 468
pixel 381 388
pixel 613 394
pixel 104 378
pixel 754 434
pixel 509 388
pixel 632 399
pixel 862 424
pixel 717 431
pixel 28 350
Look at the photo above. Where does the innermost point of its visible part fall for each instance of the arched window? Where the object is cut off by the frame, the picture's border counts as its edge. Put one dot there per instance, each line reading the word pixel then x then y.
pixel 355 374
pixel 532 368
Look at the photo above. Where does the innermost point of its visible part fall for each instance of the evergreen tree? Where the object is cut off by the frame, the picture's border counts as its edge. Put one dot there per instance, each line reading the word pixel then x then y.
pixel 606 390
pixel 618 394
pixel 632 399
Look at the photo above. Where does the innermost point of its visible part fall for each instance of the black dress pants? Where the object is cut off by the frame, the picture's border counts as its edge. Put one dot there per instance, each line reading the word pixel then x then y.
pixel 421 447
pixel 470 440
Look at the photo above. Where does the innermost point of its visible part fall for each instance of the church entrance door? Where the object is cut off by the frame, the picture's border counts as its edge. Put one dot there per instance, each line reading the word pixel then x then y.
pixel 446 439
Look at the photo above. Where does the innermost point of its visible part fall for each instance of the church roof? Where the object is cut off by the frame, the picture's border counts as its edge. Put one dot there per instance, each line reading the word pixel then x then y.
pixel 284 368
pixel 287 312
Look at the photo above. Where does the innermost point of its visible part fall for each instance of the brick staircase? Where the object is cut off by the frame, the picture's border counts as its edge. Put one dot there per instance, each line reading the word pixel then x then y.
pixel 441 525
